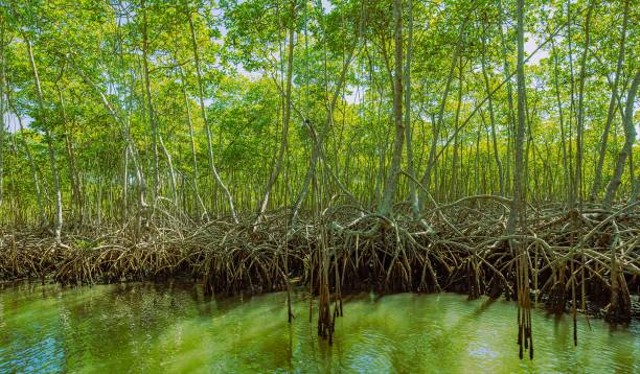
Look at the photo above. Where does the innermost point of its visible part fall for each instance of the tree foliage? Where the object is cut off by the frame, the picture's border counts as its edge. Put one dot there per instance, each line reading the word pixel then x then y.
pixel 122 93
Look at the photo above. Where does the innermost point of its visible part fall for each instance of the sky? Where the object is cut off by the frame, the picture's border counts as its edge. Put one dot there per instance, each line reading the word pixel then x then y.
pixel 530 45
pixel 11 122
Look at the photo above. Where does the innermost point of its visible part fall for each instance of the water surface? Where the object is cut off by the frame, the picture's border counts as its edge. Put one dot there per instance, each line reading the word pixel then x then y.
pixel 146 328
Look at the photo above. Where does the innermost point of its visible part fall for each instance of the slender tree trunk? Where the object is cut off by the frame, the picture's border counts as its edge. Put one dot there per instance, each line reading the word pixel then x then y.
pixel 492 118
pixel 627 148
pixel 604 139
pixel 125 186
pixel 156 137
pixel 286 117
pixel 76 195
pixel 3 84
pixel 124 122
pixel 381 169
pixel 32 165
pixel 476 174
pixel 518 205
pixel 455 159
pixel 565 156
pixel 49 139
pixel 321 138
pixel 519 197
pixel 318 139
pixel 413 197
pixel 207 128
pixel 386 205
pixel 572 175
pixel 124 128
pixel 578 186
pixel 192 143
pixel 172 173
pixel 152 118
pixel 511 113
pixel 437 126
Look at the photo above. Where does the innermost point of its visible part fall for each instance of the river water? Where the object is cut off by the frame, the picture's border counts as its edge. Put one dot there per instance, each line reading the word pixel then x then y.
pixel 147 328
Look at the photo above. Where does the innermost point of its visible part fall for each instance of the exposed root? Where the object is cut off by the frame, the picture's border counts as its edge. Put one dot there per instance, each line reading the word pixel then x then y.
pixel 589 258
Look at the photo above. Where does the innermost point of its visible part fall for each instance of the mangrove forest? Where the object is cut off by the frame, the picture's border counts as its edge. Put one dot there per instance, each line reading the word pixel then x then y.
pixel 323 155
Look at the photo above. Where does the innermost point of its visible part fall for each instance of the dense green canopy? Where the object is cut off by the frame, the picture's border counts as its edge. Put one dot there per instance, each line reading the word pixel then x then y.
pixel 249 106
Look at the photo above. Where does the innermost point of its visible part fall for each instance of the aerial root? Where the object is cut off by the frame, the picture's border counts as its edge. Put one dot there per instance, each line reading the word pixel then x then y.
pixel 348 250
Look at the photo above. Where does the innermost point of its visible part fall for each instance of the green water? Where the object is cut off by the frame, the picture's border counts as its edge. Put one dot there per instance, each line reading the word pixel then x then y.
pixel 157 329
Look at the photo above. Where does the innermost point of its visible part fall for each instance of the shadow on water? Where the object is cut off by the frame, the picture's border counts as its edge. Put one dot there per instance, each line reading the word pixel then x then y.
pixel 175 328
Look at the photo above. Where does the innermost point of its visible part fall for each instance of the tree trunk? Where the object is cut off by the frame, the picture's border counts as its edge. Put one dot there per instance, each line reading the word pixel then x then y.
pixel 49 139
pixel 519 198
pixel 32 165
pixel 565 156
pixel 518 205
pixel 627 148
pixel 172 173
pixel 572 106
pixel 578 190
pixel 203 112
pixel 437 125
pixel 492 118
pixel 604 140
pixel 194 157
pixel 124 208
pixel 511 125
pixel 413 197
pixel 286 117
pixel 124 128
pixel 74 177
pixel 152 119
pixel 386 205
pixel 318 141
pixel 455 158
pixel 2 106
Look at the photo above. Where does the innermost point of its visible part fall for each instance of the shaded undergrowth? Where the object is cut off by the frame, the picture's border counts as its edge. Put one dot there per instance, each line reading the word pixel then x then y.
pixel 578 261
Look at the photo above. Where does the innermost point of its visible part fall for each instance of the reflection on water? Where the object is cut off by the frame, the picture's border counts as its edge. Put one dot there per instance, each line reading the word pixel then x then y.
pixel 162 328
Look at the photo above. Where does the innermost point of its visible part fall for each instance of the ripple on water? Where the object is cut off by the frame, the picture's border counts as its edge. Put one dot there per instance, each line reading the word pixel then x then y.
pixel 43 356
pixel 148 328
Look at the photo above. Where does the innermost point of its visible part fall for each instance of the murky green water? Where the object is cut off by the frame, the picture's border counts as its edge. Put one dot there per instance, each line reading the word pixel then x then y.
pixel 157 329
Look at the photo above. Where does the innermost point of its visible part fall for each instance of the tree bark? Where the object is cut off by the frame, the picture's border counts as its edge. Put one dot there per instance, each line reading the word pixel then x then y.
pixel 172 173
pixel 511 126
pixel 203 113
pixel 386 205
pixel 319 139
pixel 413 195
pixel 572 106
pixel 627 148
pixel 286 116
pixel 565 155
pixel 492 118
pixel 152 119
pixel 192 143
pixel 3 85
pixel 437 125
pixel 519 190
pixel 124 128
pixel 518 205
pixel 51 150
pixel 32 165
pixel 604 139
pixel 578 192
pixel 74 177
